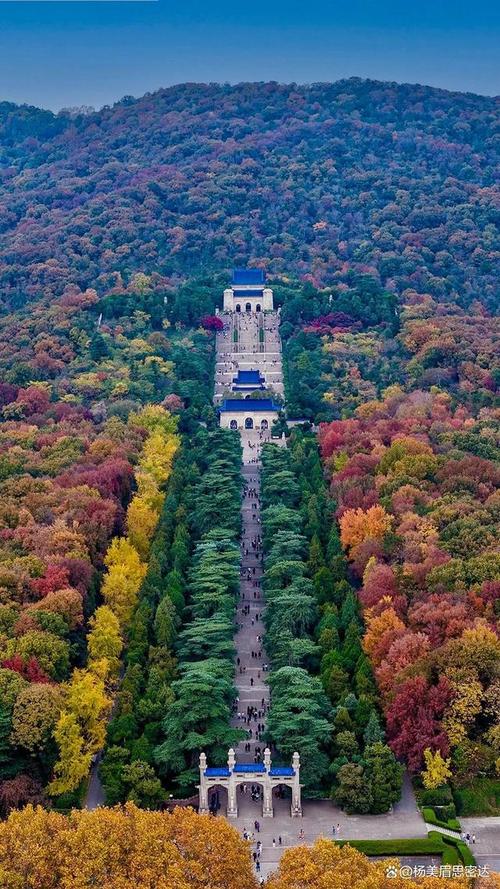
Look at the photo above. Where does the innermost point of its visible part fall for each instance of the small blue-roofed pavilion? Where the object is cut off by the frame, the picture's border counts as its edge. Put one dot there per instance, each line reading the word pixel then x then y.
pixel 248 381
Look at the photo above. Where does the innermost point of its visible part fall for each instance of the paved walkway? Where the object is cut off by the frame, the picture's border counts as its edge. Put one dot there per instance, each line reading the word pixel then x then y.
pixel 319 817
pixel 256 347
pixel 486 848
pixel 444 830
pixel 251 664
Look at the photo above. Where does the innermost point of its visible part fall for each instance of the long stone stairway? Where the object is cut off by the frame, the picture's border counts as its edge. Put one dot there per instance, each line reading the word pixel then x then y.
pixel 241 346
pixel 251 664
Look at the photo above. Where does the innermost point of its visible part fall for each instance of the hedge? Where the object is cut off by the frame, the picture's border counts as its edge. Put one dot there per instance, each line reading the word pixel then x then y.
pixel 430 845
pixel 431 818
pixel 438 796
pixel 452 850
pixel 455 851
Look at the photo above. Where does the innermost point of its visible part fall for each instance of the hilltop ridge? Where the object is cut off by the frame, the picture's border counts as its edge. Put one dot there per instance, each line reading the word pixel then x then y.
pixel 321 180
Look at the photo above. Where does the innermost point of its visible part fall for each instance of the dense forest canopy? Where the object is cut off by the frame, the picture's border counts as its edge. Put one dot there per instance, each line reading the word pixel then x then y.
pixel 316 182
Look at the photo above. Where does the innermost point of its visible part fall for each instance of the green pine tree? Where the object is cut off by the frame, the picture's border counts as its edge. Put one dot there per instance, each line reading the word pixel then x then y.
pixel 385 776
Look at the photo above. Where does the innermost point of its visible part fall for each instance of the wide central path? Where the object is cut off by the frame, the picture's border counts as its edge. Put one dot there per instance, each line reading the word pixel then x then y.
pixel 251 664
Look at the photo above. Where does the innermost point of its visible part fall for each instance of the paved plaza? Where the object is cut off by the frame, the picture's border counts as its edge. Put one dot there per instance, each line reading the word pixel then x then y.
pixel 319 817
pixel 486 848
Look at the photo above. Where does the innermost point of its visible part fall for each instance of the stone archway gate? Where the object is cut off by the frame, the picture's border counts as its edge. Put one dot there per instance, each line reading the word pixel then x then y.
pixel 262 773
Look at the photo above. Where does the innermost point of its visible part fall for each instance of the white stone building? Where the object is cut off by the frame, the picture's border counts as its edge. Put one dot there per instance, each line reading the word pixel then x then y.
pixel 248 292
pixel 248 413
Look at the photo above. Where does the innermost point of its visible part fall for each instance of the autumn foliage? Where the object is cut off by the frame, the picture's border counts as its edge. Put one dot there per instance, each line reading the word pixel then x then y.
pixel 416 488
pixel 81 727
pixel 328 866
pixel 397 180
pixel 129 848
pixel 122 849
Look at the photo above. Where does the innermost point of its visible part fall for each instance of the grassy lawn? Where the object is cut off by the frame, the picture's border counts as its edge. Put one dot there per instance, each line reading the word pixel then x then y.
pixel 425 846
pixel 482 798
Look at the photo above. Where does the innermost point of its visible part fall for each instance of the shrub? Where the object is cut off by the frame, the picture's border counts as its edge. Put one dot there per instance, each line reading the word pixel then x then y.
pixel 431 817
pixel 482 798
pixel 453 847
pixel 440 796
pixel 430 845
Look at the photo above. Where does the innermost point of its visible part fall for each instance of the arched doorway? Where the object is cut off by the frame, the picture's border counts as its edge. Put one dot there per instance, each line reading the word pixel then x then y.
pixel 233 424
pixel 257 307
pixel 248 307
pixel 248 423
pixel 238 307
pixel 217 800
pixel 264 424
pixel 250 796
pixel 282 799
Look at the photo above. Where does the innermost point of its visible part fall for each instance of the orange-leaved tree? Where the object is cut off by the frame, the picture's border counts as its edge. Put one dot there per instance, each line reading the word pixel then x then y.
pixel 325 865
pixel 122 848
pixel 358 525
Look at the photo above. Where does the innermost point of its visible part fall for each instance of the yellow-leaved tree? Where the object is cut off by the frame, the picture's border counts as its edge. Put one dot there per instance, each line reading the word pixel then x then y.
pixel 465 704
pixel 122 582
pixel 142 519
pixel 153 470
pixel 80 730
pixel 157 457
pixel 122 848
pixel 437 770
pixel 74 762
pixel 328 866
pixel 104 642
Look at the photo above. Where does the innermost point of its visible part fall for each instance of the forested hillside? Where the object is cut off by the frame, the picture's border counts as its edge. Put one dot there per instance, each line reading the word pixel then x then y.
pixel 371 207
pixel 316 182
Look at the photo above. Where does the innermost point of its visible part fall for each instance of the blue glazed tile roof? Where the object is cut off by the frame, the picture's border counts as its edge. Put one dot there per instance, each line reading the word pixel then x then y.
pixel 247 405
pixel 248 376
pixel 253 292
pixel 217 773
pixel 248 276
pixel 249 767
pixel 281 771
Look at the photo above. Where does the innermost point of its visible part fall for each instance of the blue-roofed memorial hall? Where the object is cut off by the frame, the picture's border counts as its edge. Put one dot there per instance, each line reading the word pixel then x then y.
pixel 248 292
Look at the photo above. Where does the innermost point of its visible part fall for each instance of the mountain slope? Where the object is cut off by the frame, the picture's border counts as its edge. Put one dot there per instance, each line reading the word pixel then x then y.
pixel 311 181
